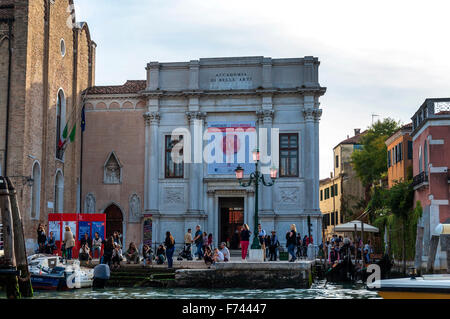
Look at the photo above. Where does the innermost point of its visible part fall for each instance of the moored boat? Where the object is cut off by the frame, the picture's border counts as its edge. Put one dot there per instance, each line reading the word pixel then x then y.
pixel 425 287
pixel 48 272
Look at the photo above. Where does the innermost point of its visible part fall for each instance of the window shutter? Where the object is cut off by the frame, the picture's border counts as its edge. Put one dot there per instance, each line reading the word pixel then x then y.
pixel 410 150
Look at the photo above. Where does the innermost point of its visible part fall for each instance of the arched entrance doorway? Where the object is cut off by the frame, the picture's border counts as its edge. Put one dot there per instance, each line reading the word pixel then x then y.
pixel 114 220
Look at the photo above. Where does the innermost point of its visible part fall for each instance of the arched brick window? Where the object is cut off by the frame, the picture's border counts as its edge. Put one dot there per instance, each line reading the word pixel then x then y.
pixel 60 122
pixel 36 191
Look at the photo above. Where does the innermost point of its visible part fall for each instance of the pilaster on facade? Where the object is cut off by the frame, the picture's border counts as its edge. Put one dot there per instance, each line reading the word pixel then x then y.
pixel 151 118
pixel 194 69
pixel 317 115
pixel 309 115
pixel 193 116
pixel 265 116
pixel 267 73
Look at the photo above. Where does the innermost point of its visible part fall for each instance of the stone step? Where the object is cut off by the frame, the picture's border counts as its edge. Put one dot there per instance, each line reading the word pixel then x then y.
pixel 235 253
pixel 137 277
pixel 143 271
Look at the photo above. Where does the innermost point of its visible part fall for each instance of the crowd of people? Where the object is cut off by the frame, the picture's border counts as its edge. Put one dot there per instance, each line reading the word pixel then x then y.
pixel 200 241
pixel 337 248
pixel 204 247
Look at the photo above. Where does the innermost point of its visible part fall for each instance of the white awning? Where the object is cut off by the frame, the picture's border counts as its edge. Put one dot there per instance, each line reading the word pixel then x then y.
pixel 349 227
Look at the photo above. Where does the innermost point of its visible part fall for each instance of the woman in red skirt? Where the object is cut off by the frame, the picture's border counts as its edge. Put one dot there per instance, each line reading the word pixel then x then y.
pixel 245 240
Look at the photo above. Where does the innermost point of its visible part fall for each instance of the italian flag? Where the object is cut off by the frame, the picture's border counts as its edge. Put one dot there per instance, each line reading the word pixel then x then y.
pixel 63 140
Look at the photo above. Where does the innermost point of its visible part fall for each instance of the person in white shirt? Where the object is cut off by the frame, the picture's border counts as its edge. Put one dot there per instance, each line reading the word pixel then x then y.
pixel 218 256
pixel 224 250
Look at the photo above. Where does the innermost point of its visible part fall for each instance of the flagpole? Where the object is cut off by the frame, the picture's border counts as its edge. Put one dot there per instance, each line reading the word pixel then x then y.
pixel 83 127
pixel 81 169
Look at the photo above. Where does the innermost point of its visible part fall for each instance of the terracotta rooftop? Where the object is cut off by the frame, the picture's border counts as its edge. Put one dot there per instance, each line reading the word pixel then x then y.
pixel 325 180
pixel 352 140
pixel 407 126
pixel 130 86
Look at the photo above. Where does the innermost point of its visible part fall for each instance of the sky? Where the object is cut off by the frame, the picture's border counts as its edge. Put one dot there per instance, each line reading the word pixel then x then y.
pixel 377 57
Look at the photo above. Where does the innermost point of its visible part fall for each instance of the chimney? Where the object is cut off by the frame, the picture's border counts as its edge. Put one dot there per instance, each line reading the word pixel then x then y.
pixel 357 131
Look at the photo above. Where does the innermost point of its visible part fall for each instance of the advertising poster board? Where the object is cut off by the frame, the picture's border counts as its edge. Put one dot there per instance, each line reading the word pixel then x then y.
pixel 55 227
pixel 98 227
pixel 230 144
pixel 84 227
pixel 79 224
pixel 73 227
pixel 147 234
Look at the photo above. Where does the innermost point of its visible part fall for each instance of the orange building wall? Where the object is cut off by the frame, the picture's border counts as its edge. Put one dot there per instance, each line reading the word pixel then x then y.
pixel 398 171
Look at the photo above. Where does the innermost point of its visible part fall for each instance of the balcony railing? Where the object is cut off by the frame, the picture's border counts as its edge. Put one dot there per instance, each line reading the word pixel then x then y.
pixel 419 179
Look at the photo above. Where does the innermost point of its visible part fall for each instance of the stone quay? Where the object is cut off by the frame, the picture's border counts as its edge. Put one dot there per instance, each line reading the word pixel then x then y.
pixel 249 275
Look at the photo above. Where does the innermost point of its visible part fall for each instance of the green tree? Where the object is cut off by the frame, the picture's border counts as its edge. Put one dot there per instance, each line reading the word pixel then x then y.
pixel 370 162
pixel 400 202
pixel 399 219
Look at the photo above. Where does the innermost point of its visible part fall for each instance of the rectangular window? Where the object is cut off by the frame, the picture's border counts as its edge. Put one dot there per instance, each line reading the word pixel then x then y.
pixel 335 189
pixel 389 158
pixel 410 150
pixel 321 194
pixel 336 215
pixel 332 191
pixel 400 151
pixel 289 155
pixel 337 161
pixel 397 154
pixel 174 164
pixel 326 220
pixel 342 218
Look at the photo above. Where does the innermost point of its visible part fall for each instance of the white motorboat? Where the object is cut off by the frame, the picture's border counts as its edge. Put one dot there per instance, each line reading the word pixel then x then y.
pixel 425 287
pixel 50 272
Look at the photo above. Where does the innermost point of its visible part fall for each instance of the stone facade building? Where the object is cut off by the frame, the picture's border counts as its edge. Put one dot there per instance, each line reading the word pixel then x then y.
pixel 132 131
pixel 342 190
pixel 46 62
pixel 431 162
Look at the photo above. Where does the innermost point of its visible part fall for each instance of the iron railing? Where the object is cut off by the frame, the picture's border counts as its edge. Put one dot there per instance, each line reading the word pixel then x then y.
pixel 419 179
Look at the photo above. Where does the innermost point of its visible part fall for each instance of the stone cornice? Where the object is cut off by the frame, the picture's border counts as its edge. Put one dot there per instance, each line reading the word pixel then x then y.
pixel 135 96
pixel 316 91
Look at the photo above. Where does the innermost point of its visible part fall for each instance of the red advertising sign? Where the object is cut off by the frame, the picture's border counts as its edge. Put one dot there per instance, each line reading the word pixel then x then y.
pixel 90 223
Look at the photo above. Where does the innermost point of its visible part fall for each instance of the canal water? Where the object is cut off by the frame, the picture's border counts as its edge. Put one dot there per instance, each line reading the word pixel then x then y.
pixel 317 291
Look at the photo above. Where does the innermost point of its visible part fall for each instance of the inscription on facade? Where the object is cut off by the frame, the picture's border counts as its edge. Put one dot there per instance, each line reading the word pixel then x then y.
pixel 231 81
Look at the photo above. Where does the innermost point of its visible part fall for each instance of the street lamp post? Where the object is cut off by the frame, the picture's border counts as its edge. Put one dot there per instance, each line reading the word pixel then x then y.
pixel 256 178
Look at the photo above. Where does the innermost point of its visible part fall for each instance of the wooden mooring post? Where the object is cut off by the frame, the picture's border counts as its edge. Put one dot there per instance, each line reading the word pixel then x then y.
pixel 12 288
pixel 20 251
pixel 432 254
pixel 419 249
